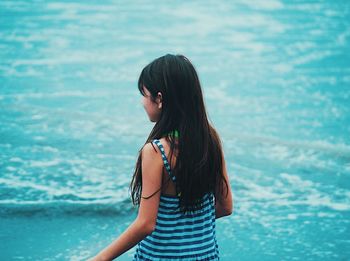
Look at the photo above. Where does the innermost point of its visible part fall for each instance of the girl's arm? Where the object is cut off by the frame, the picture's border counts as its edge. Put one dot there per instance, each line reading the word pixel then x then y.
pixel 224 201
pixel 145 222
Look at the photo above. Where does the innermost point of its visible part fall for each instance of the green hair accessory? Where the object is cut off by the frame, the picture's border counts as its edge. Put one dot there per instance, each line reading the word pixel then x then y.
pixel 174 133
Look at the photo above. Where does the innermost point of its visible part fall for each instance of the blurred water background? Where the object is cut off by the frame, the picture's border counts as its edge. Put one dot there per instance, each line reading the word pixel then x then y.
pixel 275 76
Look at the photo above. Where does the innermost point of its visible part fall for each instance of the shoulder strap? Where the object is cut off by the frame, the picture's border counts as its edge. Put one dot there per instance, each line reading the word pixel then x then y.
pixel 165 160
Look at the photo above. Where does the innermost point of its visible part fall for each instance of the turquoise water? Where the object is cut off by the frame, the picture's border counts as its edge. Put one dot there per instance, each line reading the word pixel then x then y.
pixel 276 80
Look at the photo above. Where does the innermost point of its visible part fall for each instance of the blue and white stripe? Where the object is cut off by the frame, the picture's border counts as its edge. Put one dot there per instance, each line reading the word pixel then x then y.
pixel 178 235
pixel 165 160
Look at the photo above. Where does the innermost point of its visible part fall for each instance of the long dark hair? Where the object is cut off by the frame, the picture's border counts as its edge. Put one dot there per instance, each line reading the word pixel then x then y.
pixel 198 169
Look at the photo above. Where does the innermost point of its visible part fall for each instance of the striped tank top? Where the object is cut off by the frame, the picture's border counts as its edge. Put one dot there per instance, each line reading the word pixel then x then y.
pixel 177 235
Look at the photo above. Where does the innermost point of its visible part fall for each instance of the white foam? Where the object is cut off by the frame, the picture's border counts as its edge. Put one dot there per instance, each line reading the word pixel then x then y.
pixel 292 216
pixel 264 5
pixel 10 168
pixel 39 138
pixel 37 117
pixel 15 159
pixel 311 57
pixel 316 145
pixel 297 181
pixel 342 38
pixel 49 149
pixel 282 68
pixel 316 202
pixel 44 164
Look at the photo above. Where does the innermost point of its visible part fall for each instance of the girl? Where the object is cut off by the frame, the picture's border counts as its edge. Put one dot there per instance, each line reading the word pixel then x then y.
pixel 180 182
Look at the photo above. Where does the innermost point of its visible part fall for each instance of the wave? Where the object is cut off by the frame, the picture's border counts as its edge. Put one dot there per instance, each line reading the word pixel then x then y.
pixel 339 149
pixel 10 208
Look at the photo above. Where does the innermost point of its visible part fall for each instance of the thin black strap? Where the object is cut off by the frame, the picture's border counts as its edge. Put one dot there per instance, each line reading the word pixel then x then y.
pixel 165 160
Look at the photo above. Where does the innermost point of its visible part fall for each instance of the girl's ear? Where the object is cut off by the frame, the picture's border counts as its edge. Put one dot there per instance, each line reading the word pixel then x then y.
pixel 159 100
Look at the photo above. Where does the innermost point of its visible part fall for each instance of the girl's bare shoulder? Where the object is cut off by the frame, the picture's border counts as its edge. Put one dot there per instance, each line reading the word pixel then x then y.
pixel 149 150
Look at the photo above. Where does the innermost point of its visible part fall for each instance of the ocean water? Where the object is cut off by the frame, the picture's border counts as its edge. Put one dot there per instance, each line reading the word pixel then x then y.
pixel 276 81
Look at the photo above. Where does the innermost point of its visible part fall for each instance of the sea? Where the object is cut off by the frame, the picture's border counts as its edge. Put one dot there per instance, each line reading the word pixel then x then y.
pixel 275 76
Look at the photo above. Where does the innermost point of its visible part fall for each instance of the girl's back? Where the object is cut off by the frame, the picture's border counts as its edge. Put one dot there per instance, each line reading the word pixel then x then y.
pixel 179 235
